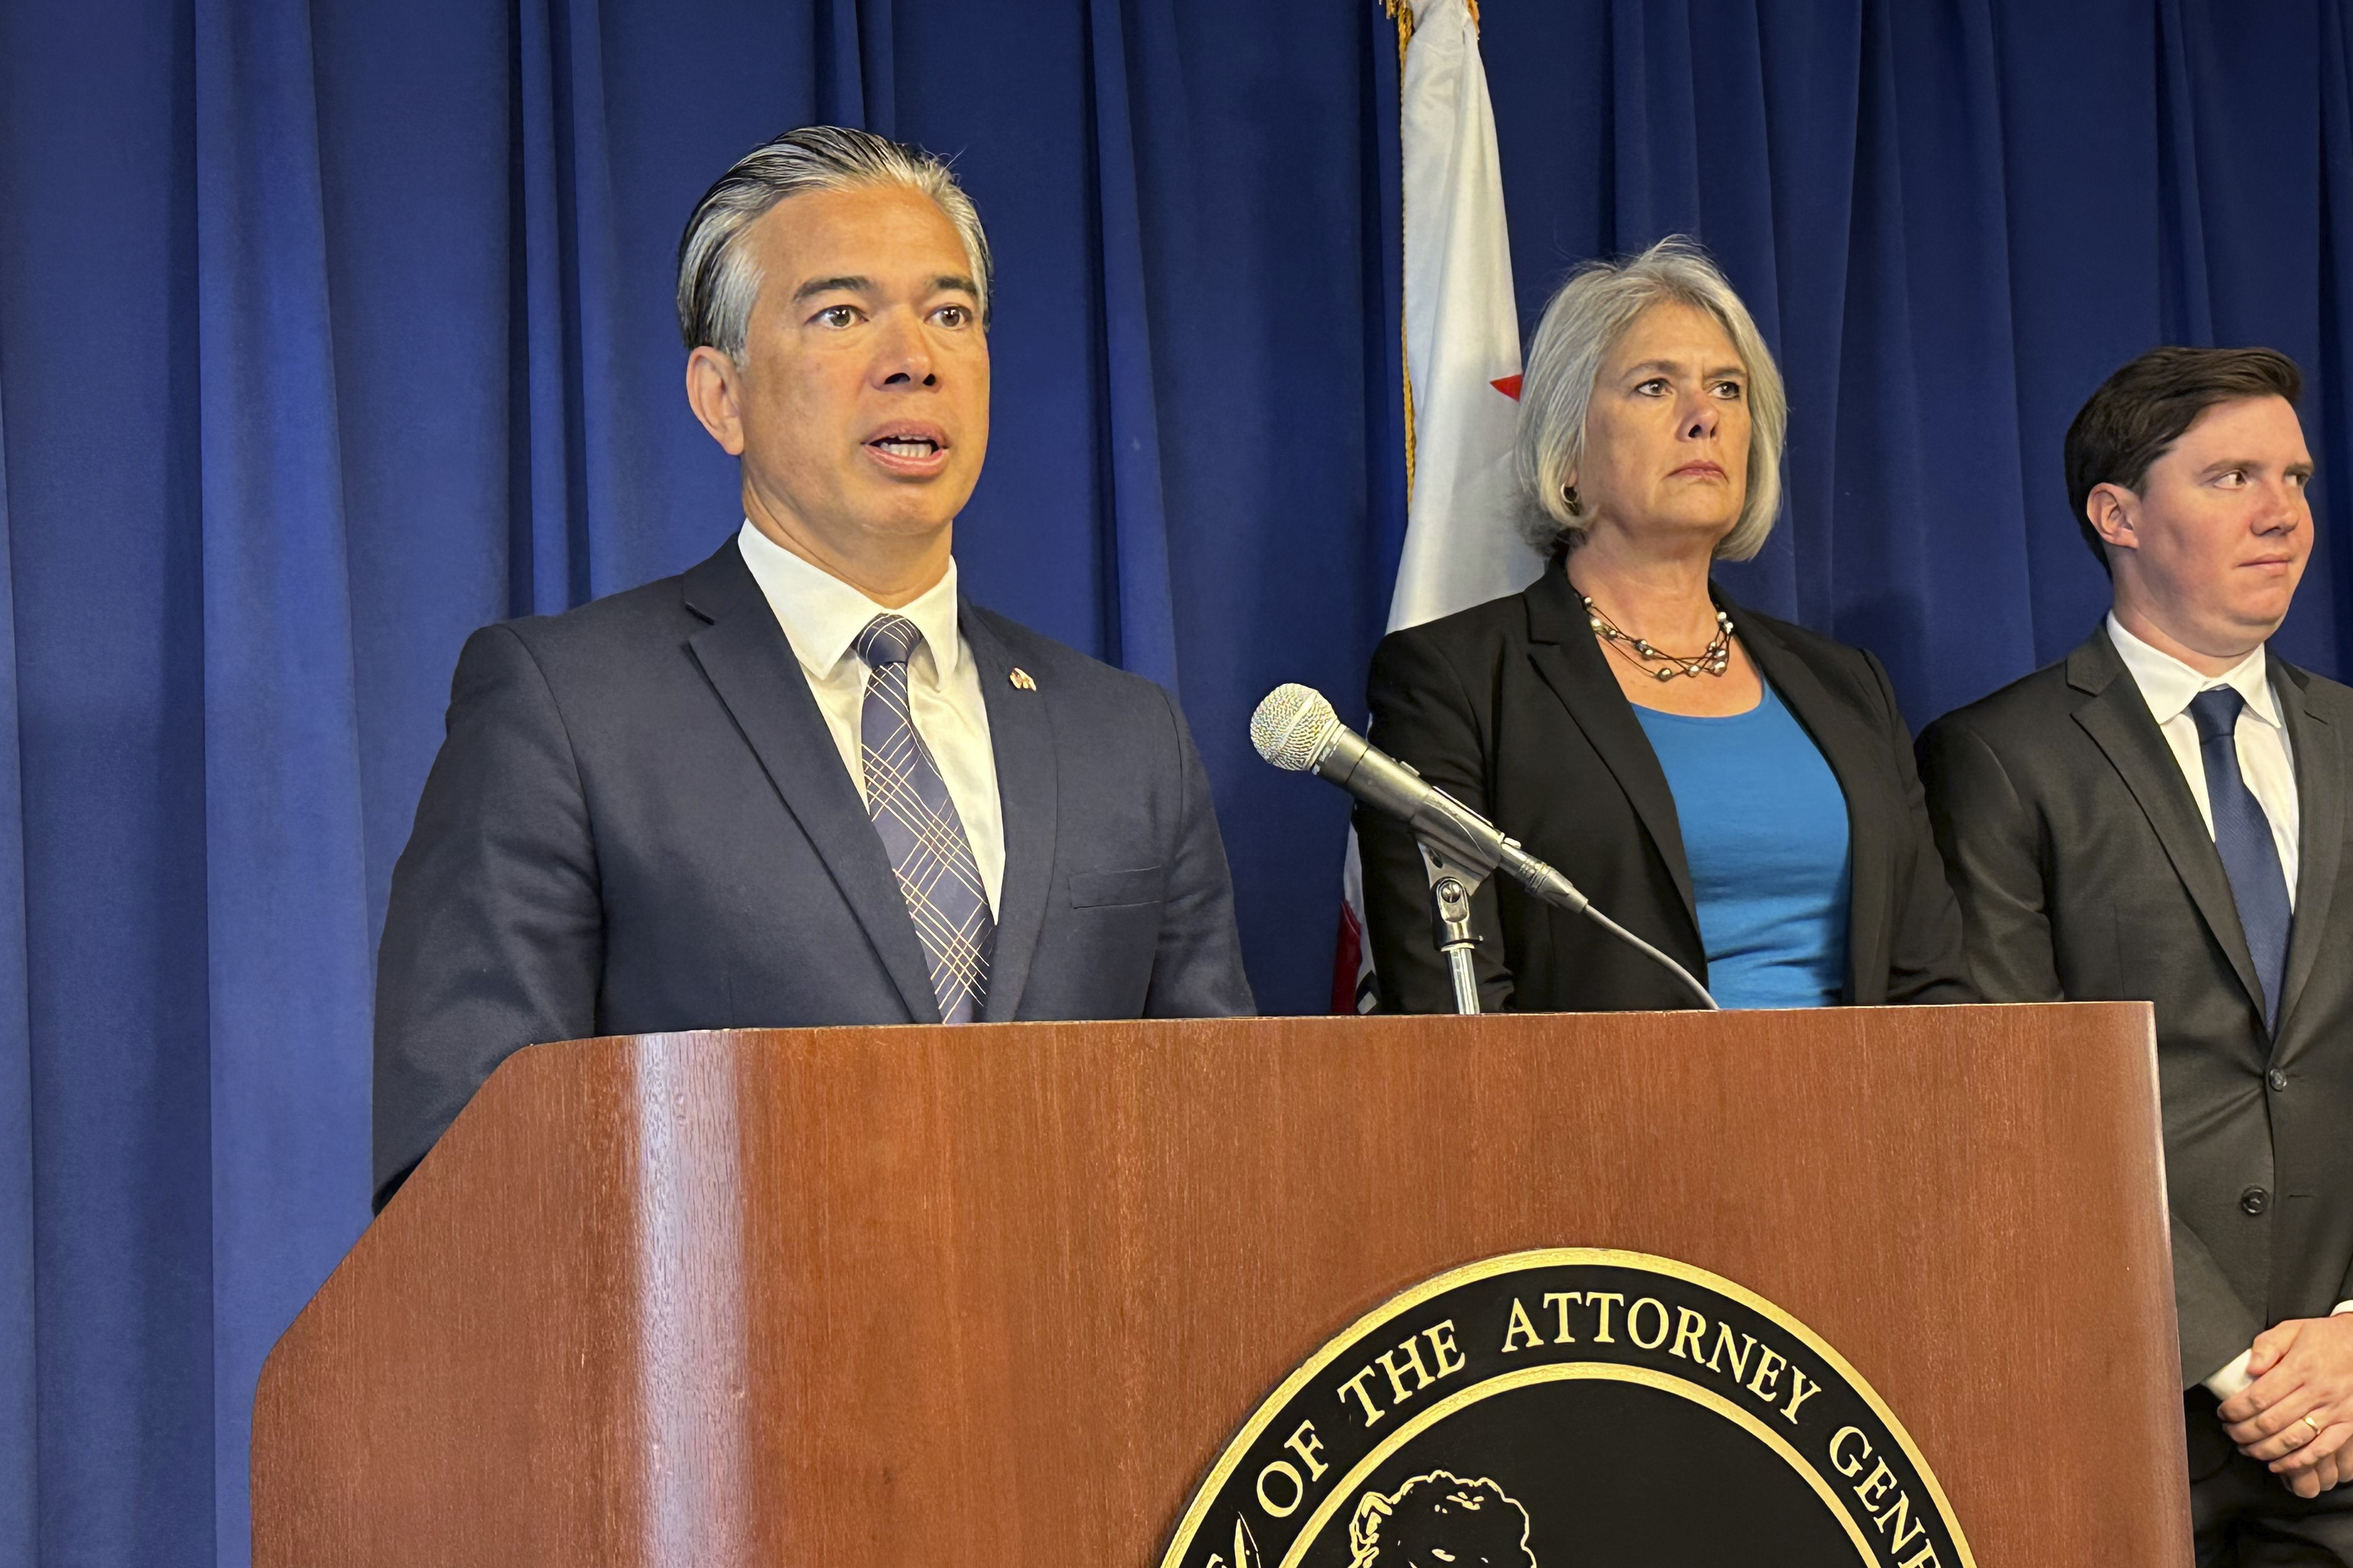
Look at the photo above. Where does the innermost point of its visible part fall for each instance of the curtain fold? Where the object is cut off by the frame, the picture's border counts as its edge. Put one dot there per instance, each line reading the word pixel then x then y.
pixel 19 1429
pixel 859 84
pixel 286 885
pixel 328 334
pixel 2332 562
pixel 548 568
pixel 1140 633
pixel 2184 291
pixel 97 350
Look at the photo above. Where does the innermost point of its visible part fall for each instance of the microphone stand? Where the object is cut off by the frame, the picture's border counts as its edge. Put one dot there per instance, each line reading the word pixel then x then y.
pixel 1450 887
pixel 1460 848
pixel 1453 881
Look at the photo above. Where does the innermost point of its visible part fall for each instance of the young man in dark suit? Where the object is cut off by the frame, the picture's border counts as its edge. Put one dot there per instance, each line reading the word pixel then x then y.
pixel 806 782
pixel 2163 816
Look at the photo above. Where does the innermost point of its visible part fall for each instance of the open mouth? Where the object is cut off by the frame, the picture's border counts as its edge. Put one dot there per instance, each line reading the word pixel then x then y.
pixel 915 452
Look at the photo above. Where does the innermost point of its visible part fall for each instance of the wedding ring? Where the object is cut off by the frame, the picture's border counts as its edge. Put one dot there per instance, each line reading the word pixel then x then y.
pixel 2311 1422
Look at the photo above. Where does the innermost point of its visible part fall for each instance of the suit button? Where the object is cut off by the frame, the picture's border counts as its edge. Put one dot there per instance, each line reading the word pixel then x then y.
pixel 2254 1200
pixel 2276 1078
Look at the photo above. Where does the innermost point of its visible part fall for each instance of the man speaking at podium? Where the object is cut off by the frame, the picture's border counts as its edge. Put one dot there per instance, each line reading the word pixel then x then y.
pixel 805 782
pixel 2163 816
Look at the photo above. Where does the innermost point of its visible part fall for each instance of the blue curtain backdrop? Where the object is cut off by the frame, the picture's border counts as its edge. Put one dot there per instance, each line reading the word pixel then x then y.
pixel 329 332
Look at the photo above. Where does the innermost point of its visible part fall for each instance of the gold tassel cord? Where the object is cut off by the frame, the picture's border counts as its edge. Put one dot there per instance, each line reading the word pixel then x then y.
pixel 1402 12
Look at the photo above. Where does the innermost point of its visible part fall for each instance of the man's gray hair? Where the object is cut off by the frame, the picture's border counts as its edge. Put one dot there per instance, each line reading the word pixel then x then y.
pixel 1581 324
pixel 717 278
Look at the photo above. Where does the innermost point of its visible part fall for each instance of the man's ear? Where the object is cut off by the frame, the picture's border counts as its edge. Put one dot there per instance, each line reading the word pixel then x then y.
pixel 2115 514
pixel 711 387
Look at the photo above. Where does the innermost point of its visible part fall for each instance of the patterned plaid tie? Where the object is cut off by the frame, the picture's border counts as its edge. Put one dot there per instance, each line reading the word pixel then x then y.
pixel 921 831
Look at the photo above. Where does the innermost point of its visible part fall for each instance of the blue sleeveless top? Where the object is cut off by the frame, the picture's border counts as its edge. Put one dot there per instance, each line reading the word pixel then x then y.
pixel 1765 833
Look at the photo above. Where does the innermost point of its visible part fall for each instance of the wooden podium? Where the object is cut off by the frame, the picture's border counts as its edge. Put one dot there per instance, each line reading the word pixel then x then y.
pixel 999 1295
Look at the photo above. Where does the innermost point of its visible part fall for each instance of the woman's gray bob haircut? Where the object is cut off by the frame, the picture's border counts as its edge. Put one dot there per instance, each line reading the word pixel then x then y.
pixel 1581 324
pixel 717 278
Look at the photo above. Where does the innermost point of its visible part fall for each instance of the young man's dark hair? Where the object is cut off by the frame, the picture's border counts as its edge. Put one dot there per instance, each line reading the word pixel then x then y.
pixel 2144 409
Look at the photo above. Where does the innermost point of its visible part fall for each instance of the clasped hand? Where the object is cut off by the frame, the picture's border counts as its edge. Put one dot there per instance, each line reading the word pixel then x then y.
pixel 2303 1368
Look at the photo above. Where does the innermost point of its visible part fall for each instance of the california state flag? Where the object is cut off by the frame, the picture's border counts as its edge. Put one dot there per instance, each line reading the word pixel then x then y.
pixel 1463 371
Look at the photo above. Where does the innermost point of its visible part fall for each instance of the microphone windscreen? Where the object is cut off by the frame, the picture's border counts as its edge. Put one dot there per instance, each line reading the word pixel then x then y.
pixel 1291 726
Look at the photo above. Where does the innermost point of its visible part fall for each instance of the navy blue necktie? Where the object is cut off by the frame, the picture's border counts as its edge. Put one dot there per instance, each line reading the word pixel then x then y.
pixel 2242 836
pixel 920 829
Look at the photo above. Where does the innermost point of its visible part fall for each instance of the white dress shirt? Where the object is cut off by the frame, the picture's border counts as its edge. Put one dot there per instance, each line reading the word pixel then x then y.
pixel 822 616
pixel 2267 761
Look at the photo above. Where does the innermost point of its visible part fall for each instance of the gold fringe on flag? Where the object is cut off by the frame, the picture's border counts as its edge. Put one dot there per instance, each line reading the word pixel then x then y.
pixel 1401 11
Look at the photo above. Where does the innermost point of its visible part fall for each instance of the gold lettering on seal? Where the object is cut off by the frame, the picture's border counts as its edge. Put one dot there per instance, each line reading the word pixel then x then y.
pixel 1634 1322
pixel 1739 1358
pixel 1519 1330
pixel 1355 1385
pixel 1850 1450
pixel 1690 1330
pixel 1907 1529
pixel 1876 1485
pixel 1298 1490
pixel 1803 1388
pixel 1307 1446
pixel 1403 1361
pixel 1388 1361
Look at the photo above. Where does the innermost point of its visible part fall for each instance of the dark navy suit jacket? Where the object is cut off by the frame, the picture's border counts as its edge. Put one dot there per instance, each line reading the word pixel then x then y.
pixel 639 823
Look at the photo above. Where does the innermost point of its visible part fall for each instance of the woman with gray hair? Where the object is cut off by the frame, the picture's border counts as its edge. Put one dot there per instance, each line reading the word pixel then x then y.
pixel 1737 789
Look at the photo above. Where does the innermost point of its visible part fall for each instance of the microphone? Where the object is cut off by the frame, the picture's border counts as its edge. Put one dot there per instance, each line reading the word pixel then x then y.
pixel 1296 729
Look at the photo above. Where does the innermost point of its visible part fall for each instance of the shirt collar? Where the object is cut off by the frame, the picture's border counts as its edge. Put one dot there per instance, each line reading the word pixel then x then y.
pixel 822 615
pixel 2167 684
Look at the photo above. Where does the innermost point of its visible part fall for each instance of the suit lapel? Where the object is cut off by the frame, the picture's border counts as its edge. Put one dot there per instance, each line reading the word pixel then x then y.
pixel 2320 788
pixel 1021 735
pixel 2117 719
pixel 745 656
pixel 1851 753
pixel 1562 649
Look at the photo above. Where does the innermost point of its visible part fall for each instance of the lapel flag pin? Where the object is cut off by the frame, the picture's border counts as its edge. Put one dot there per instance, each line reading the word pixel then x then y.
pixel 1021 680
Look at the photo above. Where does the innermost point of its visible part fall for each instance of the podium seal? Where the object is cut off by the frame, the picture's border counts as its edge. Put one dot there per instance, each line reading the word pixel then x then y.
pixel 1565 1408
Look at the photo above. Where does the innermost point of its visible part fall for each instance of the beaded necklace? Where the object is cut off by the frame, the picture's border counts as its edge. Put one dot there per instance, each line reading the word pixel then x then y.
pixel 1713 659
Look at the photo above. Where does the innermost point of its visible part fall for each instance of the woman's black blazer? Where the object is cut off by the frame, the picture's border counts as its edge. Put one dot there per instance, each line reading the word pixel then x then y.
pixel 1510 708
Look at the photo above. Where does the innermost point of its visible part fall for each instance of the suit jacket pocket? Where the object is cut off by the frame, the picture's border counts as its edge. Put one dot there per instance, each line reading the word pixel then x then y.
pixel 1102 889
